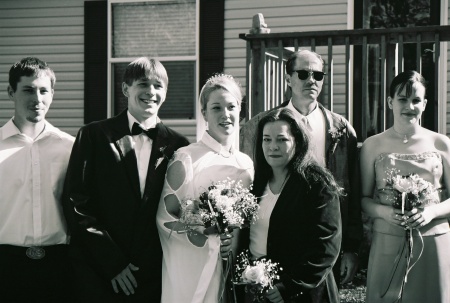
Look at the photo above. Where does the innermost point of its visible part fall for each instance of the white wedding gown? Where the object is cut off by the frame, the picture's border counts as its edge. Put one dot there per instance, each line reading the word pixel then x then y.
pixel 191 269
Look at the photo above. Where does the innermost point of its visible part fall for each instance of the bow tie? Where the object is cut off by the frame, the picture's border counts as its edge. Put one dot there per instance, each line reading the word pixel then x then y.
pixel 137 130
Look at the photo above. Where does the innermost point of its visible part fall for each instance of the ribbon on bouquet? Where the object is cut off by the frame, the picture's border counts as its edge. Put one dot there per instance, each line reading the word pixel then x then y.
pixel 227 265
pixel 408 245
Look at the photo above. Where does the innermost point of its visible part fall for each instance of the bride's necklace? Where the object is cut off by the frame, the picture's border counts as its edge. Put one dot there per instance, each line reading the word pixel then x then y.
pixel 405 136
pixel 225 153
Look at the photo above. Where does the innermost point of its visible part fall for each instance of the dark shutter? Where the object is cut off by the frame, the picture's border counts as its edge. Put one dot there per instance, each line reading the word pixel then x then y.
pixel 95 60
pixel 212 16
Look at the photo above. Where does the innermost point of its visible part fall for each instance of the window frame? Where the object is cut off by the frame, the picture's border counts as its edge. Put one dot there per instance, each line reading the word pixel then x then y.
pixel 111 60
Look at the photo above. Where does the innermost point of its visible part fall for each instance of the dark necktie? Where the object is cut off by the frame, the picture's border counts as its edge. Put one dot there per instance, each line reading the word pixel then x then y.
pixel 137 130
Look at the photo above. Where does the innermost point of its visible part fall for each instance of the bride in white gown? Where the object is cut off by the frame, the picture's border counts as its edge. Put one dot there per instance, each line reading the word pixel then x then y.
pixel 192 267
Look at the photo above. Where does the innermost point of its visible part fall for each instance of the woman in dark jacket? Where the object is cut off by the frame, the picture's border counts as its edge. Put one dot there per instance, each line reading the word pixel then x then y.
pixel 299 221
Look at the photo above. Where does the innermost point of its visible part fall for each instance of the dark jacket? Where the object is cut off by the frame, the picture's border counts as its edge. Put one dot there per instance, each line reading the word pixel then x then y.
pixel 304 238
pixel 111 225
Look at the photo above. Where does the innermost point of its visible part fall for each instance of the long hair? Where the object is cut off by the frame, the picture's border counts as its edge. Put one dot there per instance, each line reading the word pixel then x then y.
pixel 302 163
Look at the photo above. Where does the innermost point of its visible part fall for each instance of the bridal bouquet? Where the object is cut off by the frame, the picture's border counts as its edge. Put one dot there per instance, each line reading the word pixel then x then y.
pixel 259 275
pixel 226 204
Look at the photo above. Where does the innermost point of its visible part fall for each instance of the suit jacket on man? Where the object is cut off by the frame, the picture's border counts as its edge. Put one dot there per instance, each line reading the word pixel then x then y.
pixel 341 160
pixel 111 224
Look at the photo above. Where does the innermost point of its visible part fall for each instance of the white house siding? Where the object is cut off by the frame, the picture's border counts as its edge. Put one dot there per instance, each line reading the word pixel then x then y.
pixel 285 16
pixel 52 30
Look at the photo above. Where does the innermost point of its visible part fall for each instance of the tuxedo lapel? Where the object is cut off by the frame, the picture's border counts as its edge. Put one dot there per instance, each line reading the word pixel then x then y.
pixel 122 140
pixel 161 151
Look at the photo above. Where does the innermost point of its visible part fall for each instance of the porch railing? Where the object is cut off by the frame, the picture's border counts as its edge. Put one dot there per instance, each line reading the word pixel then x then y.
pixel 267 55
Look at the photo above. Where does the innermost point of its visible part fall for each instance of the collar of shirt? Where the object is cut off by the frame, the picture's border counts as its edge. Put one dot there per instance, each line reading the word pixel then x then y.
pixel 147 124
pixel 317 129
pixel 214 145
pixel 315 118
pixel 10 129
pixel 310 117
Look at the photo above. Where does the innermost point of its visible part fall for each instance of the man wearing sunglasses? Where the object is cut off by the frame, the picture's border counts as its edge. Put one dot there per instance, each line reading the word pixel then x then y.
pixel 335 147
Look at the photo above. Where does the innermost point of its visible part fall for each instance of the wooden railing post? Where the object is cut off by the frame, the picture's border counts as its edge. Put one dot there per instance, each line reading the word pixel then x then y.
pixel 257 80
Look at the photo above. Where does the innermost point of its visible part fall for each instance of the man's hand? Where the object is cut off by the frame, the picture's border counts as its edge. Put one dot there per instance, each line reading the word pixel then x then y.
pixel 126 280
pixel 349 265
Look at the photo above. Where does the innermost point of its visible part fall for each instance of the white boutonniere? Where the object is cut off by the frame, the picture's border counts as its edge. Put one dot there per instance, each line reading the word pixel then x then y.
pixel 162 157
pixel 336 135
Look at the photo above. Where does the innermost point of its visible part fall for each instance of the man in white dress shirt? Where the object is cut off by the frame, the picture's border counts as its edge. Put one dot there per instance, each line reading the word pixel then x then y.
pixel 335 147
pixel 33 162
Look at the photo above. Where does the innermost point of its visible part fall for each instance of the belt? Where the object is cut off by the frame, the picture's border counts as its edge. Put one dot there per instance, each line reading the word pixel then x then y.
pixel 34 252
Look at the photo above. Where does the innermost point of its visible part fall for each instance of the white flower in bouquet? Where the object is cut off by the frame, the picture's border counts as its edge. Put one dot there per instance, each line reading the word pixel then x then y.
pixel 226 204
pixel 259 275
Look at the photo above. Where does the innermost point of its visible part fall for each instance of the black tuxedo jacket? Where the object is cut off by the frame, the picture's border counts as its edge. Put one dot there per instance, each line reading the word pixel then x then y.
pixel 304 237
pixel 111 224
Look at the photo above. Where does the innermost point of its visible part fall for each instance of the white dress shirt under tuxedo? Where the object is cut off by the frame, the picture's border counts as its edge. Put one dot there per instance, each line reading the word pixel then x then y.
pixel 142 148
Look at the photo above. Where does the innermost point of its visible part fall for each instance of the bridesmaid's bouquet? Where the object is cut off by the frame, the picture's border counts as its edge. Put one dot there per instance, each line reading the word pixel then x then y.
pixel 411 192
pixel 258 275
pixel 226 205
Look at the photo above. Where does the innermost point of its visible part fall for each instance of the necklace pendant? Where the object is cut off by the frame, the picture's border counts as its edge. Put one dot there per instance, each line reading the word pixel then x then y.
pixel 405 140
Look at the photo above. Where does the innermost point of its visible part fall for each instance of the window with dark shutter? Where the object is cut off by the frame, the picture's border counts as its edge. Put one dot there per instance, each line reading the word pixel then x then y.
pixel 165 30
pixel 212 14
pixel 95 60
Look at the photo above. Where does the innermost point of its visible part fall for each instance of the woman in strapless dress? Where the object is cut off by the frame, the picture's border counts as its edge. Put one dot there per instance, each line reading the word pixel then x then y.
pixel 410 252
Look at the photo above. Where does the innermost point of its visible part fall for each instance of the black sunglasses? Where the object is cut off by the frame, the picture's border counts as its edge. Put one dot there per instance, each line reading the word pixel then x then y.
pixel 304 74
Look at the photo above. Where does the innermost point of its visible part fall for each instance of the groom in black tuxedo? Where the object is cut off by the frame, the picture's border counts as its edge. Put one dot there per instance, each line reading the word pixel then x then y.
pixel 112 189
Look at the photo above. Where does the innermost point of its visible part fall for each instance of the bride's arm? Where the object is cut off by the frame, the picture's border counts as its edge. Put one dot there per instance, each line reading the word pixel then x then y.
pixel 178 187
pixel 373 209
pixel 176 176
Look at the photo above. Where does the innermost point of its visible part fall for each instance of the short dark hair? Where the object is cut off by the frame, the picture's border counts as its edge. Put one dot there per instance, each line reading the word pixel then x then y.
pixel 406 79
pixel 291 61
pixel 30 66
pixel 144 67
pixel 302 163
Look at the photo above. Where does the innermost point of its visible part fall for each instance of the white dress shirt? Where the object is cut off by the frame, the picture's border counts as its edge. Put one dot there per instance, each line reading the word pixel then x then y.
pixel 32 174
pixel 315 122
pixel 142 148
